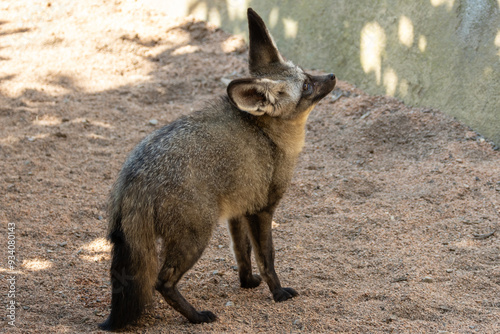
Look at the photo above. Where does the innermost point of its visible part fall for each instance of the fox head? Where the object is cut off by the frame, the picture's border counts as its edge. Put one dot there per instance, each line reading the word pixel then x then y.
pixel 277 87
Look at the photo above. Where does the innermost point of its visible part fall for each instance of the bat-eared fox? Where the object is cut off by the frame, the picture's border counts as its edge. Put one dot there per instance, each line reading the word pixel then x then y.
pixel 232 161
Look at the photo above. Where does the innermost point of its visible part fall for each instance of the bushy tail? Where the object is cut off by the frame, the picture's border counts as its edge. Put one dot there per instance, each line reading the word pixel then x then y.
pixel 133 273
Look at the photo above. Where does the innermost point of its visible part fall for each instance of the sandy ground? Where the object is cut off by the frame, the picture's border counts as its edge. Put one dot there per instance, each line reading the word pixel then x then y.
pixel 387 226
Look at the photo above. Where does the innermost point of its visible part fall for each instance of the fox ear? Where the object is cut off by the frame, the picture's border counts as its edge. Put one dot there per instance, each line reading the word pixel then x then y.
pixel 255 96
pixel 263 51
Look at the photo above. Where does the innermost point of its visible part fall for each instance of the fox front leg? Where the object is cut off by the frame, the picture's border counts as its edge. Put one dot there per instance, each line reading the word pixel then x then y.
pixel 260 228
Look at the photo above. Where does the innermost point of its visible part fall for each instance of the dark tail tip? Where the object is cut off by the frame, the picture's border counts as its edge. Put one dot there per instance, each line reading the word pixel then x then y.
pixel 112 325
pixel 127 301
pixel 106 325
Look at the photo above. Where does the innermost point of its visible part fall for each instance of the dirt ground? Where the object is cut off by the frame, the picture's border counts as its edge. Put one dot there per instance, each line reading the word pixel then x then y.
pixel 388 225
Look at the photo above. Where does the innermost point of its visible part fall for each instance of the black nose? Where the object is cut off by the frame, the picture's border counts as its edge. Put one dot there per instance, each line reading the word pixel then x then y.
pixel 331 76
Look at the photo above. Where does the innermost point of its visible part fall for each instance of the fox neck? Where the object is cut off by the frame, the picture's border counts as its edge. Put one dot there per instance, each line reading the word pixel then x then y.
pixel 287 134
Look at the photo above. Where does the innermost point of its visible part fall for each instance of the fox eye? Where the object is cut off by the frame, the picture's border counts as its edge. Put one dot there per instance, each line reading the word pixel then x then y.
pixel 306 87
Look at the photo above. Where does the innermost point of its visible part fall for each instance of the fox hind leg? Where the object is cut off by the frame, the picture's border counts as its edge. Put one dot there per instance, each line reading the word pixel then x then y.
pixel 180 255
pixel 242 248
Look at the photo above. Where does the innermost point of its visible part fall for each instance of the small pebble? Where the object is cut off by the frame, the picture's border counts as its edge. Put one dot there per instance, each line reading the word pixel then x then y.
pixel 449 271
pixel 60 135
pixel 228 304
pixel 62 244
pixel 153 122
pixel 298 323
pixel 427 279
pixel 400 279
pixel 390 319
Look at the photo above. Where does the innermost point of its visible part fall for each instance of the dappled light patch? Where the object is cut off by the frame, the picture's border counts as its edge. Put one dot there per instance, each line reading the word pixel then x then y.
pixel 96 251
pixel 47 120
pixel 185 50
pixel 372 45
pixel 36 264
pixel 98 245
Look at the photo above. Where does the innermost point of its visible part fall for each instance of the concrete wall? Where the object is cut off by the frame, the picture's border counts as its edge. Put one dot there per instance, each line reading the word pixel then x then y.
pixel 443 54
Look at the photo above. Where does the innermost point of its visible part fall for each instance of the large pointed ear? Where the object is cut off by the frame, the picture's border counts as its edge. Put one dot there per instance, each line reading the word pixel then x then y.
pixel 255 96
pixel 263 51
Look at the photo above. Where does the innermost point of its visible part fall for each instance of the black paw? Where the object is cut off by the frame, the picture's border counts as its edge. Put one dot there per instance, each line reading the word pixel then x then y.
pixel 284 294
pixel 251 282
pixel 204 316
